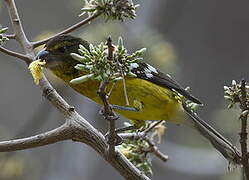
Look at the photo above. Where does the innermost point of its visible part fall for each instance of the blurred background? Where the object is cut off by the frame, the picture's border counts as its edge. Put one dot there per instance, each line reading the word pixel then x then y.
pixel 202 44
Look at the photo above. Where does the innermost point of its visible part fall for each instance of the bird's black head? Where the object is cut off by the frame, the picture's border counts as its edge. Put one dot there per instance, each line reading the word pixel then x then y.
pixel 57 50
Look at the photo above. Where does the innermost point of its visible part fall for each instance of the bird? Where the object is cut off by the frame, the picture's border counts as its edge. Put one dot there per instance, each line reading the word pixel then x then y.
pixel 151 92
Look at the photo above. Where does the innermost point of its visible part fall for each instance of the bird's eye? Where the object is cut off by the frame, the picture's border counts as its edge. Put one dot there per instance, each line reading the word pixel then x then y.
pixel 62 49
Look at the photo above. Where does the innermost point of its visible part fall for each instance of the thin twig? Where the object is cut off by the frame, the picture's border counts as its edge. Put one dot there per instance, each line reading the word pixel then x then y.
pixel 220 143
pixel 61 133
pixel 10 36
pixel 155 150
pixel 20 36
pixel 66 31
pixel 102 94
pixel 110 91
pixel 146 131
pixel 124 88
pixel 107 112
pixel 243 134
pixel 141 135
pixel 112 126
pixel 110 48
pixel 108 115
pixel 16 54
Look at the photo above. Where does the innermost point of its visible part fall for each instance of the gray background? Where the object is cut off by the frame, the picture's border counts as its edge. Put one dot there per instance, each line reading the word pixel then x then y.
pixel 210 41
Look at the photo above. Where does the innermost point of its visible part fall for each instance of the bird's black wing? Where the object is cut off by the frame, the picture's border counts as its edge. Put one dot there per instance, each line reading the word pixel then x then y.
pixel 149 73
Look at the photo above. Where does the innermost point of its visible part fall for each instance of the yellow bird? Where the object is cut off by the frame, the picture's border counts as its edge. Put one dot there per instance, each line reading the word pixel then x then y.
pixel 151 92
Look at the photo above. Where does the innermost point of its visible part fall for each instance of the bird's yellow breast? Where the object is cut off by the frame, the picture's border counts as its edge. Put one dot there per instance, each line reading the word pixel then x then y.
pixel 154 102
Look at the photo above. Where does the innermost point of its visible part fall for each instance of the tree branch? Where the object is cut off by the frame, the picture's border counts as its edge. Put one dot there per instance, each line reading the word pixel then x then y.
pixel 85 133
pixel 108 113
pixel 61 133
pixel 18 28
pixel 10 36
pixel 243 133
pixel 77 129
pixel 142 135
pixel 110 116
pixel 66 31
pixel 16 54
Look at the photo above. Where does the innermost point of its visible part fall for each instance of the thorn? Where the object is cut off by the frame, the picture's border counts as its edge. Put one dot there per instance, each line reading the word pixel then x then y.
pixel 71 109
pixel 47 91
pixel 109 39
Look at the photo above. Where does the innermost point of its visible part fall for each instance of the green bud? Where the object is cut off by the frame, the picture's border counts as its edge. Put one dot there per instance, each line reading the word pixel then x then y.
pixel 123 51
pixel 82 14
pixel 94 53
pixel 234 83
pixel 82 52
pixel 91 47
pixel 136 6
pixel 132 74
pixel 78 57
pixel 87 10
pixel 98 78
pixel 80 67
pixel 104 75
pixel 228 97
pixel 102 2
pixel 83 48
pixel 81 79
pixel 3 30
pixel 194 106
pixel 120 42
pixel 132 61
pixel 87 57
pixel 138 59
pixel 141 51
pixel 226 88
pixel 187 88
pixel 83 67
pixel 118 79
pixel 230 106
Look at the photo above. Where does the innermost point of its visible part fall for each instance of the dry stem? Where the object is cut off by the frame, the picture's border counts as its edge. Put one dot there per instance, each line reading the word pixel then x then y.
pixel 243 134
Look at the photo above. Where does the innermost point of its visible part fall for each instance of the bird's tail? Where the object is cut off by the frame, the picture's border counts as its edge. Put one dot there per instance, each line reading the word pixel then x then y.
pixel 216 139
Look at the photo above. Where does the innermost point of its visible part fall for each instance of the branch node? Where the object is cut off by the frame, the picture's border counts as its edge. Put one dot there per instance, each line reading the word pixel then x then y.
pixel 71 108
pixel 47 91
pixel 16 20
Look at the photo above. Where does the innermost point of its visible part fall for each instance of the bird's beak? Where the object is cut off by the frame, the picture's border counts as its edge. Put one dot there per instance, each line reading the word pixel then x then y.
pixel 43 54
pixel 50 59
